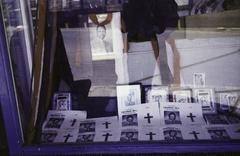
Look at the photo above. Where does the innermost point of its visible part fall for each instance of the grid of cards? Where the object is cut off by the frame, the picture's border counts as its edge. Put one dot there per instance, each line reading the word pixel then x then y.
pixel 156 120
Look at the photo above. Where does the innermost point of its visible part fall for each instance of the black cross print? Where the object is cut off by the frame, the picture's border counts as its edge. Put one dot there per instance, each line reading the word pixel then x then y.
pixel 67 137
pixel 73 122
pixel 106 136
pixel 106 124
pixel 151 134
pixel 195 134
pixel 192 117
pixel 148 117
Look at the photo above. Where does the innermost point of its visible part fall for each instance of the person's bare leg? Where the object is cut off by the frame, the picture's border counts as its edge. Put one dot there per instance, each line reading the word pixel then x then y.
pixel 176 61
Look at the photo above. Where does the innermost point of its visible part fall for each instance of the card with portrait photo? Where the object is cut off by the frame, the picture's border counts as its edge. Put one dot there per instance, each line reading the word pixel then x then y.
pixel 48 136
pixel 172 134
pixel 85 138
pixel 218 133
pixel 129 135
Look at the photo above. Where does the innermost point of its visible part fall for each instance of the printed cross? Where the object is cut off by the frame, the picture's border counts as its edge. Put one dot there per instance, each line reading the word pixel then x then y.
pixel 192 117
pixel 195 134
pixel 151 134
pixel 106 136
pixel 73 122
pixel 106 124
pixel 148 117
pixel 67 137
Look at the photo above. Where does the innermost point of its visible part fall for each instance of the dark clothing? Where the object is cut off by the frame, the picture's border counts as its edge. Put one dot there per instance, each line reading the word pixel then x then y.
pixel 145 18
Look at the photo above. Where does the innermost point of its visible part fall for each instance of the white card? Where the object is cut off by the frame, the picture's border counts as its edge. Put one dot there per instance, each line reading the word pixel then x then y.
pixel 128 96
pixel 206 98
pixel 182 96
pixel 181 113
pixel 157 94
pixel 62 119
pixel 107 129
pixel 195 133
pixel 108 136
pixel 67 136
pixel 218 133
pixel 148 115
pixel 199 80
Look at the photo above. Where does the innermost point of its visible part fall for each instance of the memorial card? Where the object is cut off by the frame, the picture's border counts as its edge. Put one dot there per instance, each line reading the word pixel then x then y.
pixel 67 136
pixel 173 113
pixel 215 119
pixel 199 80
pixel 182 96
pixel 206 98
pixel 62 101
pixel 218 133
pixel 128 96
pixel 156 94
pixel 61 119
pixel 107 129
pixel 195 133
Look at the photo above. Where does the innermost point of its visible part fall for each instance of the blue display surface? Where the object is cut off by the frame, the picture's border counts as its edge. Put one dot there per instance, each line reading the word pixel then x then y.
pixel 16 144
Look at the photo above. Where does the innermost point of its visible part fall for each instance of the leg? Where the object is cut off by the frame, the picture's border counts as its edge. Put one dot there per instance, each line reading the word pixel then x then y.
pixel 176 60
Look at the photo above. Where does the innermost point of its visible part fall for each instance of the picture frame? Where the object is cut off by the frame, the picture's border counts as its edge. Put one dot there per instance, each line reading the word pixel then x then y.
pixel 156 94
pixel 205 97
pixel 182 96
pixel 62 101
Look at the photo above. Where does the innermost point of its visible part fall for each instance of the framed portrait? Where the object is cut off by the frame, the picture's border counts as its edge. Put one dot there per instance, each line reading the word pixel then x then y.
pixel 205 97
pixel 199 80
pixel 101 37
pixel 156 94
pixel 62 101
pixel 182 96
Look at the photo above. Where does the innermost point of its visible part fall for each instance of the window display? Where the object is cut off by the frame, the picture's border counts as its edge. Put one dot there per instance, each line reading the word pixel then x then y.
pixel 110 76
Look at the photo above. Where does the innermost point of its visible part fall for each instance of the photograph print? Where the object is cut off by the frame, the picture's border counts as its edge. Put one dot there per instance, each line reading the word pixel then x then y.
pixel 85 138
pixel 54 123
pixel 182 96
pixel 129 136
pixel 199 80
pixel 172 134
pixel 129 120
pixel 156 94
pixel 219 134
pixel 87 127
pixel 48 136
pixel 101 40
pixel 172 117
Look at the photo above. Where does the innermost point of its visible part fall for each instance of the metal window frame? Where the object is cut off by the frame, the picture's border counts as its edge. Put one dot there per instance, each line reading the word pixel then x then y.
pixel 17 147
